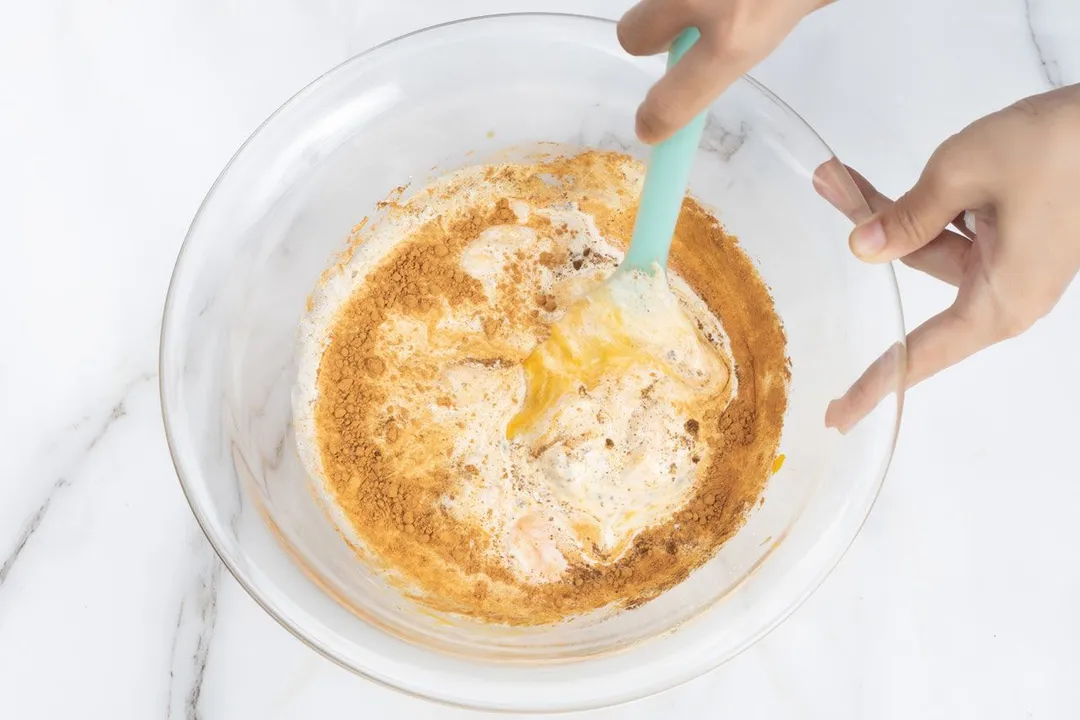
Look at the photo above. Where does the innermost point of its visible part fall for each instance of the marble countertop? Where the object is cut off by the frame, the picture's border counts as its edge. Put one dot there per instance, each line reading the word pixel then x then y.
pixel 958 599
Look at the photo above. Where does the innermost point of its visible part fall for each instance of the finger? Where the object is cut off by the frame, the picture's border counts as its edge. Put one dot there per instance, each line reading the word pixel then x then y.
pixel 942 258
pixel 650 26
pixel 874 199
pixel 847 191
pixel 944 340
pixel 939 343
pixel 883 377
pixel 944 190
pixel 879 202
pixel 685 90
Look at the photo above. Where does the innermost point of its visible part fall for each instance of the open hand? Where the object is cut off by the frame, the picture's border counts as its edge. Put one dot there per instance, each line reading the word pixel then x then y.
pixel 1016 173
pixel 735 36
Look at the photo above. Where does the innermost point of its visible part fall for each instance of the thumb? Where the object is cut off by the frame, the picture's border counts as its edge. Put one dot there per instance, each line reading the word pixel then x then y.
pixel 942 192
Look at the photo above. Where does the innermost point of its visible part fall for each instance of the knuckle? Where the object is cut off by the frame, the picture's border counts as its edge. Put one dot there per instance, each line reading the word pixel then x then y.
pixel 1006 320
pixel 654 119
pixel 698 8
pixel 1059 122
pixel 1070 114
pixel 945 172
pixel 633 34
pixel 1010 310
pixel 1010 324
pixel 1049 121
pixel 907 226
pixel 626 36
pixel 1026 108
pixel 946 153
pixel 734 40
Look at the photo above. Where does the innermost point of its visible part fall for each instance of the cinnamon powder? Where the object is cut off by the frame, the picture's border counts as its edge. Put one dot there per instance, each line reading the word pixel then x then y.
pixel 389 472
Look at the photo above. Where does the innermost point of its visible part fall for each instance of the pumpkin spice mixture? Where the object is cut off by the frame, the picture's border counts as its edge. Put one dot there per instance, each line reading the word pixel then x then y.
pixel 420 334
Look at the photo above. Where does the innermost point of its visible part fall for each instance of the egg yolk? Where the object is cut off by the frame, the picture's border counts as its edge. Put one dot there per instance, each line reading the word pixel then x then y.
pixel 589 342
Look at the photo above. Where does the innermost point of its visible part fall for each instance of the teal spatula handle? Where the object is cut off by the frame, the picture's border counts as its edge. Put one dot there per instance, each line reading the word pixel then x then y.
pixel 665 182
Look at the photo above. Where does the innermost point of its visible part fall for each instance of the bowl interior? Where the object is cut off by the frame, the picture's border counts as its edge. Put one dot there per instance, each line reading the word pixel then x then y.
pixel 435 101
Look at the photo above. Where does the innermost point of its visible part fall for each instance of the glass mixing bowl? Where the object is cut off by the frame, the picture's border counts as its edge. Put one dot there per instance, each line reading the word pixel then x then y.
pixel 451 96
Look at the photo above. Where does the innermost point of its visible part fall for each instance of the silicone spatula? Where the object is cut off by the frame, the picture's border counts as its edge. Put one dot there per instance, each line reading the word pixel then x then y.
pixel 665 183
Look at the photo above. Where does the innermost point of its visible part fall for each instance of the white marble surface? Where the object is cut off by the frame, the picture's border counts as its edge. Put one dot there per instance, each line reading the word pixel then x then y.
pixel 958 600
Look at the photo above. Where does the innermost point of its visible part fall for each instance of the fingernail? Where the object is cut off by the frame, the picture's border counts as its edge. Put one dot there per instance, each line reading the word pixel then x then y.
pixel 868 240
pixel 835 418
pixel 830 415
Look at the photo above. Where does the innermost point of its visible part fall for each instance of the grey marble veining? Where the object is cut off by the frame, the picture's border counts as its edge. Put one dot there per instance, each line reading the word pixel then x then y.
pixel 1048 61
pixel 193 635
pixel 83 436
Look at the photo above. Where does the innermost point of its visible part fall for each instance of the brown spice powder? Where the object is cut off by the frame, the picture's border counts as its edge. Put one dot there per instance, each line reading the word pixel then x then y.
pixel 389 472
